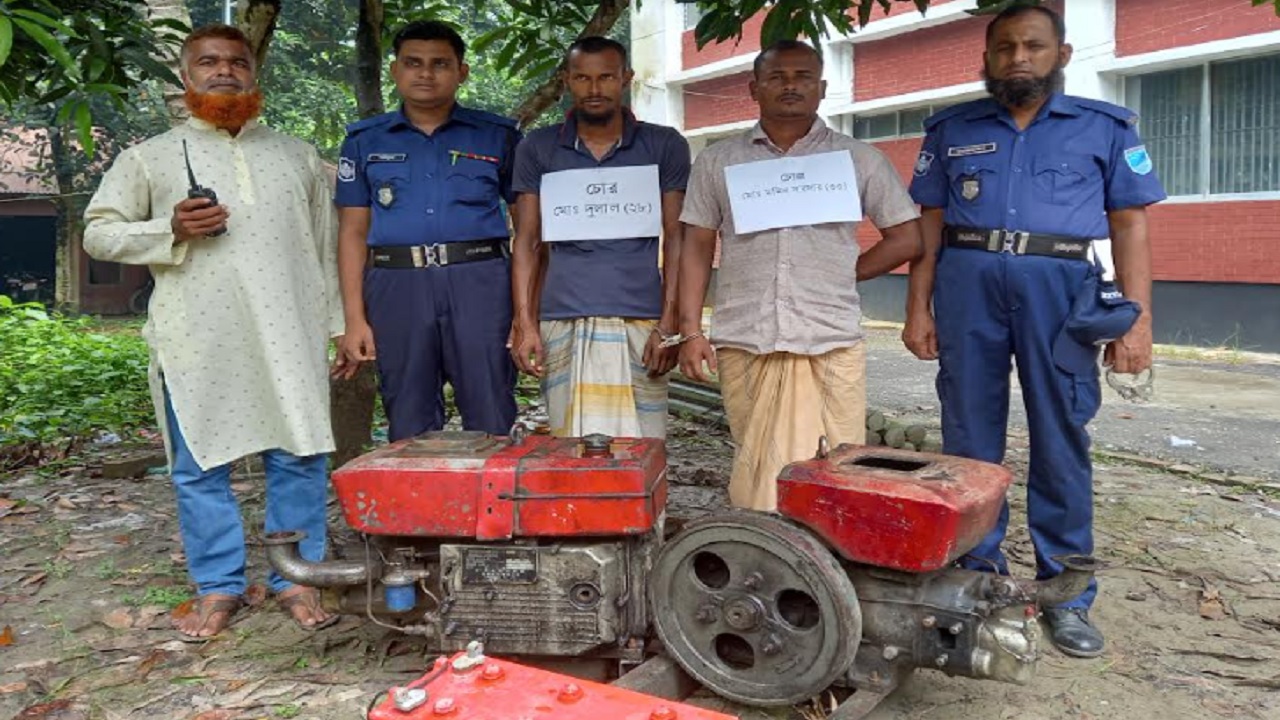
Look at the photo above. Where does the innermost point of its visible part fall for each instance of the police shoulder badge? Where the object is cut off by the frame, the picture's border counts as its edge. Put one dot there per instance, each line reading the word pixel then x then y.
pixel 1138 159
pixel 386 196
pixel 970 187
pixel 923 163
pixel 346 169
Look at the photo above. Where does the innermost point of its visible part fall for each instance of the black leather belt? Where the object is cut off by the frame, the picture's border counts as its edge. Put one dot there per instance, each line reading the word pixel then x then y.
pixel 1017 242
pixel 438 255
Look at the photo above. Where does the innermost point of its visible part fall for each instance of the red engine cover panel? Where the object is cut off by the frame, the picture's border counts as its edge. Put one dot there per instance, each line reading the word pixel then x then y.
pixel 473 485
pixel 503 690
pixel 893 508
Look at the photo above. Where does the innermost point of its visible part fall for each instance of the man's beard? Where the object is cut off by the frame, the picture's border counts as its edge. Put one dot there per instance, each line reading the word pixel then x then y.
pixel 590 118
pixel 1020 92
pixel 226 111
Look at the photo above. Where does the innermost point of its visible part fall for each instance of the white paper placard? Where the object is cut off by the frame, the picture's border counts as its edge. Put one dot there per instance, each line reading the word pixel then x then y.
pixel 601 204
pixel 793 191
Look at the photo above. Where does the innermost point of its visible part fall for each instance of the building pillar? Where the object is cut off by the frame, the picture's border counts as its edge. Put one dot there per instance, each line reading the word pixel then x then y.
pixel 656 29
pixel 1091 30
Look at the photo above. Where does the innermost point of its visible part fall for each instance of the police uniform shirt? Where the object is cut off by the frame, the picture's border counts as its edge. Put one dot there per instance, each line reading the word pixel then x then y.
pixel 1078 160
pixel 426 189
pixel 603 278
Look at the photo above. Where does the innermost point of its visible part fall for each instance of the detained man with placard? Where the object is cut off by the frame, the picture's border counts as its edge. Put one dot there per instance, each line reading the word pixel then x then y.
pixel 592 309
pixel 785 198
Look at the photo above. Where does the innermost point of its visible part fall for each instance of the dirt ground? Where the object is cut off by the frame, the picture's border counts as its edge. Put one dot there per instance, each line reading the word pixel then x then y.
pixel 89 568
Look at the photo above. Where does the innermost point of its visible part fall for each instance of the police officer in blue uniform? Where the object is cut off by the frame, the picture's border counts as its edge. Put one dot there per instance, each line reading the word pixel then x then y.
pixel 1013 189
pixel 424 245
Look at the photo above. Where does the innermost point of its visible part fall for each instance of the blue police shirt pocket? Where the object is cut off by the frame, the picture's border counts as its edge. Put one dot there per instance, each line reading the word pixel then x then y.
pixel 1064 179
pixel 973 180
pixel 477 185
pixel 388 183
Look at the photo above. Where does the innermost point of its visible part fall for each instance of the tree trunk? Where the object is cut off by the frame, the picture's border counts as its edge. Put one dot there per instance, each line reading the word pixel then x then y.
pixel 70 208
pixel 606 15
pixel 369 59
pixel 352 401
pixel 168 54
pixel 257 19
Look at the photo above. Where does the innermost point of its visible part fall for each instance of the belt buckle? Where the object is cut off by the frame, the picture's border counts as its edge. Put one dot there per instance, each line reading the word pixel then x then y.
pixel 1015 242
pixel 427 256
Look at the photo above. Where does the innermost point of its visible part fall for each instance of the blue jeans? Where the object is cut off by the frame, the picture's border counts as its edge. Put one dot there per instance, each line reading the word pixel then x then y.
pixel 209 517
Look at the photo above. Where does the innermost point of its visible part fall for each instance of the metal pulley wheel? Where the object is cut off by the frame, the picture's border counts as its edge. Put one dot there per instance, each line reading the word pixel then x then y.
pixel 755 608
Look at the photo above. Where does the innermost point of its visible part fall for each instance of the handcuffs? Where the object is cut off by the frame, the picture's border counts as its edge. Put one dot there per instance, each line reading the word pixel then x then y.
pixel 1137 390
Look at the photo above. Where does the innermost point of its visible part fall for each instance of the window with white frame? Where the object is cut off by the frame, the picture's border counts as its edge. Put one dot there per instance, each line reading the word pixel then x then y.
pixel 897 124
pixel 1212 129
pixel 692 14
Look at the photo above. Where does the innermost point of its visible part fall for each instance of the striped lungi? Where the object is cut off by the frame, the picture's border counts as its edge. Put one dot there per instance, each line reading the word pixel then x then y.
pixel 779 405
pixel 595 380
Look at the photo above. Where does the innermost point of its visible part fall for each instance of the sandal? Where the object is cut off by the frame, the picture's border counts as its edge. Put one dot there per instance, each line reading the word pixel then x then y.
pixel 308 598
pixel 206 608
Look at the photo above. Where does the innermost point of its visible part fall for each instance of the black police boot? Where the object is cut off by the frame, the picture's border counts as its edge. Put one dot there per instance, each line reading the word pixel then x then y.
pixel 1072 633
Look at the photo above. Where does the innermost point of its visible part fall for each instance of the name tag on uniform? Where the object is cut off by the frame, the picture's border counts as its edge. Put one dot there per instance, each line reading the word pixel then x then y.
pixel 601 204
pixel 964 150
pixel 386 157
pixel 793 191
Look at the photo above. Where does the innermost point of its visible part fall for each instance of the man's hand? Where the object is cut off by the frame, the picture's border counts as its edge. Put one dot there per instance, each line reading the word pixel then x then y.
pixel 693 354
pixel 657 359
pixel 354 348
pixel 920 335
pixel 1131 354
pixel 526 348
pixel 195 218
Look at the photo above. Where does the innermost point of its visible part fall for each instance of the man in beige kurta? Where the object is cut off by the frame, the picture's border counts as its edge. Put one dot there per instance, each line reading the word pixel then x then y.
pixel 786 323
pixel 245 302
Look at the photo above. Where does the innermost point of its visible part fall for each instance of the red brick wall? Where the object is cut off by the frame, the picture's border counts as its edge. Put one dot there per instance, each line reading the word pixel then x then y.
pixel 1190 242
pixel 1148 25
pixel 749 44
pixel 935 57
pixel 717 101
pixel 1215 242
pixel 899 7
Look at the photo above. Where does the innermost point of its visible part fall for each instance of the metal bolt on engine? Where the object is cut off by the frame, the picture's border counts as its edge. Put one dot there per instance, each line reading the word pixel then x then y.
pixel 444 706
pixel 890 652
pixel 473 659
pixel 941 661
pixel 929 621
pixel 408 699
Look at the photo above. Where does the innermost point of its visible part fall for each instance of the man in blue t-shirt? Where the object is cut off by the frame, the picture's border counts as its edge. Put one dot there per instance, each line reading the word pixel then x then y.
pixel 585 188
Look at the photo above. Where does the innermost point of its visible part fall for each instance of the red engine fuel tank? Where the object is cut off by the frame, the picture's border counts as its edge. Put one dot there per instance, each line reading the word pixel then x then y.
pixel 475 485
pixel 893 508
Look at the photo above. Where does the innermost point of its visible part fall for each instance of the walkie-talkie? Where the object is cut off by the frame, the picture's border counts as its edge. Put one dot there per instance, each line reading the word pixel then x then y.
pixel 196 191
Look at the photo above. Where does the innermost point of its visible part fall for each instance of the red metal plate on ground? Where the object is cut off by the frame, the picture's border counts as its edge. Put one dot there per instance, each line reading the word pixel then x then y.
pixel 503 690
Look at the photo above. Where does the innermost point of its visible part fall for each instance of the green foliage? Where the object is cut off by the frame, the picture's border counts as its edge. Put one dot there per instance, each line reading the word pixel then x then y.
pixel 59 379
pixel 169 596
pixel 70 53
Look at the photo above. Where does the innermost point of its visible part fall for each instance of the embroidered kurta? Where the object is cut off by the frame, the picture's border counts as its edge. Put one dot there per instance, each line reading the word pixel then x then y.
pixel 238 324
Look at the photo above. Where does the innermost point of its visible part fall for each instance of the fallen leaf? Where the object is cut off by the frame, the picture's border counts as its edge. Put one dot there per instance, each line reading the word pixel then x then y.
pixel 6 636
pixel 34 579
pixel 65 504
pixel 255 595
pixel 6 503
pixel 120 539
pixel 184 609
pixel 157 657
pixel 118 619
pixel 1125 416
pixel 1212 606
pixel 43 710
pixel 147 615
pixel 218 714
pixel 12 688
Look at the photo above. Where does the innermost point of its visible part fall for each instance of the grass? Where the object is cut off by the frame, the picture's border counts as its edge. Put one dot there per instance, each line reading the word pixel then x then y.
pixel 170 597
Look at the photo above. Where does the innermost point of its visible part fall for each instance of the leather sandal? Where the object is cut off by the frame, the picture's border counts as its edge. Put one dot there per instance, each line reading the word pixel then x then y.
pixel 206 608
pixel 308 598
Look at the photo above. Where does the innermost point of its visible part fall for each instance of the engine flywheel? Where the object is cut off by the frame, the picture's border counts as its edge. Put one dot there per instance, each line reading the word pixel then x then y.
pixel 755 608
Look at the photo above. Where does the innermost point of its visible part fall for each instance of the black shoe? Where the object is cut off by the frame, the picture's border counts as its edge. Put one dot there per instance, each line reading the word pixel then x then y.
pixel 1072 633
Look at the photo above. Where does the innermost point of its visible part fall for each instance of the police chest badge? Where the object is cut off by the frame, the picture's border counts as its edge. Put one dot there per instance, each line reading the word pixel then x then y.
pixel 970 187
pixel 386 196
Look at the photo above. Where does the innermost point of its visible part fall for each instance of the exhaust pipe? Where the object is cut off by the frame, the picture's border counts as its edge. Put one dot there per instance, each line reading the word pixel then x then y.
pixel 283 554
pixel 1077 571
